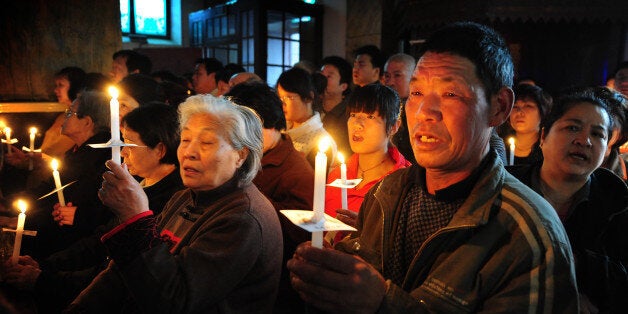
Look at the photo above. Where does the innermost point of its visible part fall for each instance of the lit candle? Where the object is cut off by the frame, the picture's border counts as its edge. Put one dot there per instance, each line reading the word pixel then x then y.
pixel 7 133
pixel 55 174
pixel 511 141
pixel 33 132
pixel 320 175
pixel 21 218
pixel 114 109
pixel 343 179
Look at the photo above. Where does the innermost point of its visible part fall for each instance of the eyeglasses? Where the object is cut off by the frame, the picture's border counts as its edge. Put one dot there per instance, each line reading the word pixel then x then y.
pixel 69 113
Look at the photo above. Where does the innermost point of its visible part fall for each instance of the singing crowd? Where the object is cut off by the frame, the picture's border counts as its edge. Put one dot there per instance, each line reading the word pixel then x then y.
pixel 450 216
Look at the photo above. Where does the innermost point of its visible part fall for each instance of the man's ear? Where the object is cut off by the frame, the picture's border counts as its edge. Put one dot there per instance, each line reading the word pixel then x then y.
pixel 501 105
pixel 344 86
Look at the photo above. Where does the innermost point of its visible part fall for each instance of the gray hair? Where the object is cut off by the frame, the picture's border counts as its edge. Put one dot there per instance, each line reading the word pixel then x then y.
pixel 239 125
pixel 95 105
pixel 408 61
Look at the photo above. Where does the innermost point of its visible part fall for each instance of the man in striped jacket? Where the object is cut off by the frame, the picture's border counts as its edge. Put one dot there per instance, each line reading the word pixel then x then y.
pixel 455 233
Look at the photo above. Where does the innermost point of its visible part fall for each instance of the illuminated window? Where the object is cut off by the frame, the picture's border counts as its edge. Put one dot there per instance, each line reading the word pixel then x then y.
pixel 285 41
pixel 150 18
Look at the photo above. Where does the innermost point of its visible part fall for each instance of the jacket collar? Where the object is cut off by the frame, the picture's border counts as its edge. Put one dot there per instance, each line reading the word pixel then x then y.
pixel 476 209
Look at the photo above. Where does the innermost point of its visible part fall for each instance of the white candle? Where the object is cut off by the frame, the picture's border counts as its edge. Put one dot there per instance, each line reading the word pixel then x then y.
pixel 33 132
pixel 511 141
pixel 7 133
pixel 55 174
pixel 114 109
pixel 21 218
pixel 320 176
pixel 343 179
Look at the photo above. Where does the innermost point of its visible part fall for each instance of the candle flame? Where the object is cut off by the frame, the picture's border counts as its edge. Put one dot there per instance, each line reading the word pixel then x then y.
pixel 7 131
pixel 21 205
pixel 341 158
pixel 323 144
pixel 113 92
pixel 511 141
pixel 54 164
pixel 33 130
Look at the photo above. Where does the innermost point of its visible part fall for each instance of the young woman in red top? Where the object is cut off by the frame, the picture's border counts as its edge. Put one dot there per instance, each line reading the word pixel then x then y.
pixel 373 120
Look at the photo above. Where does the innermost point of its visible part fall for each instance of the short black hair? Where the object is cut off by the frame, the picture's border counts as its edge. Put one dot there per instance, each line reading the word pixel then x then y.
pixel 376 97
pixel 300 81
pixel 211 64
pixel 378 58
pixel 76 77
pixel 142 88
pixel 135 61
pixel 174 94
pixel 344 69
pixel 156 123
pixel 572 97
pixel 541 99
pixel 228 71
pixel 481 45
pixel 96 81
pixel 618 104
pixel 263 99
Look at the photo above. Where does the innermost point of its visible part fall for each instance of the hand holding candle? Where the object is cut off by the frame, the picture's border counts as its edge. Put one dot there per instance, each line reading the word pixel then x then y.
pixel 343 178
pixel 21 218
pixel 55 174
pixel 511 160
pixel 114 109
pixel 320 176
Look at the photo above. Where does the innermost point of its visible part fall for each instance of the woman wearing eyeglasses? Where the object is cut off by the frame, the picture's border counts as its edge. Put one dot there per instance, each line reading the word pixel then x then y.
pixel 86 122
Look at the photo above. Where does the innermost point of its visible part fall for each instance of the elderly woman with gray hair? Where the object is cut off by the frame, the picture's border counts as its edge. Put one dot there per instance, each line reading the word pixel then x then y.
pixel 217 245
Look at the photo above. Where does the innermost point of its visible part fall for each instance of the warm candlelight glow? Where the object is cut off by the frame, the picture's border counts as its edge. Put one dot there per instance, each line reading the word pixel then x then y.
pixel 320 177
pixel 323 144
pixel 21 218
pixel 343 178
pixel 7 131
pixel 511 141
pixel 21 205
pixel 113 92
pixel 57 178
pixel 33 130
